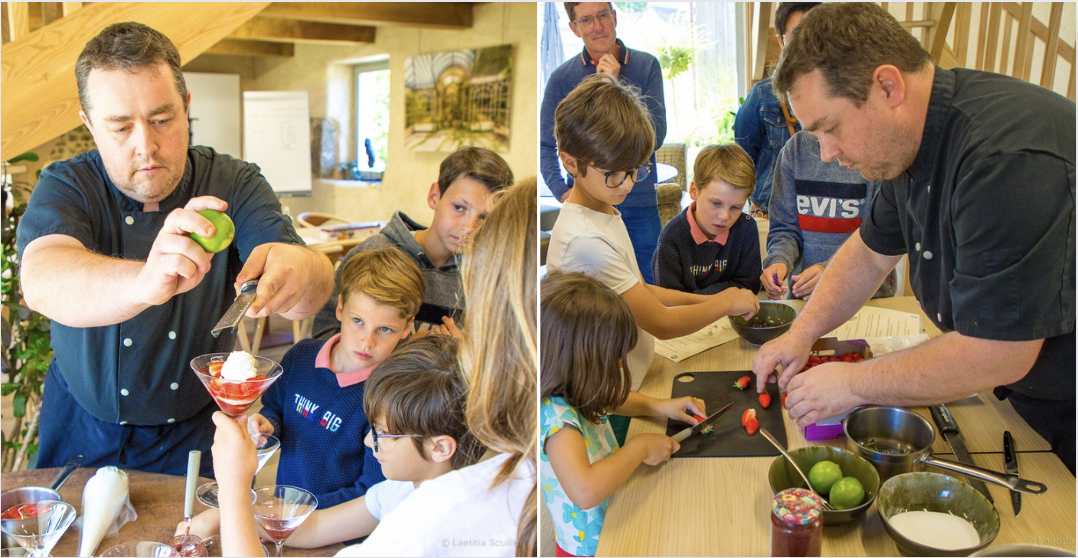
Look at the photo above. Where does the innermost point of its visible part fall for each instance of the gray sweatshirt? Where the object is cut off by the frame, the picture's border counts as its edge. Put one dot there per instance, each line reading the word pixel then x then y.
pixel 815 206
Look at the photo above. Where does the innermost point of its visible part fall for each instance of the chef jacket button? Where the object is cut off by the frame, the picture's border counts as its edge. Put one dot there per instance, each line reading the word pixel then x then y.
pixel 927 255
pixel 129 220
pixel 171 420
pixel 174 386
pixel 172 335
pixel 123 422
pixel 128 342
pixel 929 188
pixel 124 392
pixel 917 246
pixel 939 317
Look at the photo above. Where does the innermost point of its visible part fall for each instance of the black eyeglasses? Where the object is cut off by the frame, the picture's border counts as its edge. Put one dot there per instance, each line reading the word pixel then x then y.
pixel 603 17
pixel 376 435
pixel 617 178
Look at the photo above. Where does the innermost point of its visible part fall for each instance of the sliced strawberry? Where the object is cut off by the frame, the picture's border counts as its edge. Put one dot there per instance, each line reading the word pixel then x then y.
pixel 699 418
pixel 743 382
pixel 783 400
pixel 749 414
pixel 765 400
pixel 752 426
pixel 214 369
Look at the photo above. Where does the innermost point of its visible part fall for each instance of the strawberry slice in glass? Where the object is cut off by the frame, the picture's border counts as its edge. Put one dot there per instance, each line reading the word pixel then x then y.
pixel 234 397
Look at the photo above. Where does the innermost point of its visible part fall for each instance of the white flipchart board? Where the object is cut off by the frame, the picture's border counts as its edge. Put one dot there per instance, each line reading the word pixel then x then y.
pixel 277 138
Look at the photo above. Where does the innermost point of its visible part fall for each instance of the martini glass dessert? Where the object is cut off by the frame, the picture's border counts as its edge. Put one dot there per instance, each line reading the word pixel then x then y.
pixel 266 447
pixel 281 509
pixel 235 380
pixel 37 527
pixel 141 548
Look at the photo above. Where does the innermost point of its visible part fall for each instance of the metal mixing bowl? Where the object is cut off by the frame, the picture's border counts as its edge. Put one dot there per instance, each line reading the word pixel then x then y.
pixel 936 493
pixel 782 476
pixel 773 319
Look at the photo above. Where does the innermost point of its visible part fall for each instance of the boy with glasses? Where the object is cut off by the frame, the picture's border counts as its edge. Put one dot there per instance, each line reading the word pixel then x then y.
pixel 604 141
pixel 596 24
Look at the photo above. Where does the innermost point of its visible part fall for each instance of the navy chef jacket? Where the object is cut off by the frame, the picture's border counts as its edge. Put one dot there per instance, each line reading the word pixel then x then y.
pixel 986 213
pixel 138 372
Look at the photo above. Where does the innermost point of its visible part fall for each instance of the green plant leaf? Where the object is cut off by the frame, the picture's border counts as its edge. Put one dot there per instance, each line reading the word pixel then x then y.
pixel 6 389
pixel 18 405
pixel 28 156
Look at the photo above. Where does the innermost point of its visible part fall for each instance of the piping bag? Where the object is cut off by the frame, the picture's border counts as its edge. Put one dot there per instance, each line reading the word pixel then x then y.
pixel 106 506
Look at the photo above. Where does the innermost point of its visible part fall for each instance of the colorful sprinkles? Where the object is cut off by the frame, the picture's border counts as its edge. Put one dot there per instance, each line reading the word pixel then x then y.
pixel 797 506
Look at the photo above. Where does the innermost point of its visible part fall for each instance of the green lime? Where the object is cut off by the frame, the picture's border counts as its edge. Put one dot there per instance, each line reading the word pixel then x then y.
pixel 824 474
pixel 224 231
pixel 847 493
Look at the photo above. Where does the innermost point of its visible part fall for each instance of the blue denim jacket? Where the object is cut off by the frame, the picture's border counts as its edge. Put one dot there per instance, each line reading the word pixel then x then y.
pixel 760 130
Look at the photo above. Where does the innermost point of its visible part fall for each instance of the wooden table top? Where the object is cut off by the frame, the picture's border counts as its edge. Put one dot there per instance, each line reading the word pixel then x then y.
pixel 720 506
pixel 158 501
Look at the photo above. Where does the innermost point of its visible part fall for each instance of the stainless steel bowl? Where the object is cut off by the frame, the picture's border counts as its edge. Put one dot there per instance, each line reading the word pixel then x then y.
pixel 782 476
pixel 773 319
pixel 935 492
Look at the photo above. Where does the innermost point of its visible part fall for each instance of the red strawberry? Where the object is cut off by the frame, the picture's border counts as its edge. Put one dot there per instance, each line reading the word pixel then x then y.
pixel 752 426
pixel 743 382
pixel 765 400
pixel 749 414
pixel 699 418
pixel 784 401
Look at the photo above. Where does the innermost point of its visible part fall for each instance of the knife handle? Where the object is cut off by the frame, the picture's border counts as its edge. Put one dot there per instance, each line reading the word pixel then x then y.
pixel 944 421
pixel 682 436
pixel 1010 457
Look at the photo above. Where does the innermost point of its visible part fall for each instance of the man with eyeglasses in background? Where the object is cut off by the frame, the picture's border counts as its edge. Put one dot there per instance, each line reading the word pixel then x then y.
pixel 596 24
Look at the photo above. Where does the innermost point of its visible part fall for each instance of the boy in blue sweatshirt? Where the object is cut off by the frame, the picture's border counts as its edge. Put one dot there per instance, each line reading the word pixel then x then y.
pixel 712 245
pixel 316 408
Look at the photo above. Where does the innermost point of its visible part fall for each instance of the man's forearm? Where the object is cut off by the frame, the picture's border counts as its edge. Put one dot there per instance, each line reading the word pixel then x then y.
pixel 852 278
pixel 944 369
pixel 78 288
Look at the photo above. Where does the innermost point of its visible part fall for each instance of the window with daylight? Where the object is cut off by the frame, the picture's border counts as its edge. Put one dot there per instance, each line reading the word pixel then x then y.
pixel 372 121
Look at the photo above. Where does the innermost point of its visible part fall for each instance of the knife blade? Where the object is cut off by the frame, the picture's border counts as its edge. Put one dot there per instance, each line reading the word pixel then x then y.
pixel 239 307
pixel 1010 462
pixel 681 436
pixel 949 430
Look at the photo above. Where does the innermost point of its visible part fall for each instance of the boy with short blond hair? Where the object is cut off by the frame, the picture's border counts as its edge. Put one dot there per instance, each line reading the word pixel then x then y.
pixel 468 180
pixel 713 245
pixel 604 141
pixel 316 408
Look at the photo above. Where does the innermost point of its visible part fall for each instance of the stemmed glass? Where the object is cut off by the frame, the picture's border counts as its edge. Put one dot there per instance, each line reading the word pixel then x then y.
pixel 267 446
pixel 38 529
pixel 281 509
pixel 235 396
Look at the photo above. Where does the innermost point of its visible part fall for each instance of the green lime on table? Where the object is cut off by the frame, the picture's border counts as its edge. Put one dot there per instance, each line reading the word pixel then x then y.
pixel 847 493
pixel 224 231
pixel 824 474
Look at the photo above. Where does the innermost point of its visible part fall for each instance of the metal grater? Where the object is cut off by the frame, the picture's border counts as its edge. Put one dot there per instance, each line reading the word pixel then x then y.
pixel 235 313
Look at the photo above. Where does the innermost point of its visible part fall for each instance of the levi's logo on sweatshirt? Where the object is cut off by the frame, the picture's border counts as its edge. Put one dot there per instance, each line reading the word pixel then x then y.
pixel 308 409
pixel 829 207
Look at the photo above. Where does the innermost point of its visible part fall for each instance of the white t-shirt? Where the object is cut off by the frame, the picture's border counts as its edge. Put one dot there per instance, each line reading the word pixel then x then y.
pixel 384 497
pixel 598 244
pixel 456 514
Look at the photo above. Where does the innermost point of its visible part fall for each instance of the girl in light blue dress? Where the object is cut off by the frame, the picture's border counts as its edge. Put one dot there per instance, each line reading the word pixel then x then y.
pixel 587 330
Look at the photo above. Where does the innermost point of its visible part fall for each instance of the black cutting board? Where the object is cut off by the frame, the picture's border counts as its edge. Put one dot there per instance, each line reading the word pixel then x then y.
pixel 729 438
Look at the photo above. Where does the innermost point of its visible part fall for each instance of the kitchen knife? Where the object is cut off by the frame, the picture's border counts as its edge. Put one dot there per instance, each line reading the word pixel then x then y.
pixel 1010 461
pixel 235 313
pixel 681 436
pixel 949 430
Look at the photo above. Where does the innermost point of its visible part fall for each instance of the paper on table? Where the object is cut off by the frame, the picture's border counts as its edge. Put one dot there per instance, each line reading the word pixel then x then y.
pixel 693 344
pixel 870 321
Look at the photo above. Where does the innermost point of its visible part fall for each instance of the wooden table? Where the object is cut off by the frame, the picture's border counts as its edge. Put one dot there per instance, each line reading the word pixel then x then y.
pixel 158 501
pixel 720 506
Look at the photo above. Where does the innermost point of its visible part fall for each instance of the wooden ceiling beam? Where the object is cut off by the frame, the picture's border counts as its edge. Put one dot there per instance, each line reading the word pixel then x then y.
pixel 291 30
pixel 265 49
pixel 37 72
pixel 438 15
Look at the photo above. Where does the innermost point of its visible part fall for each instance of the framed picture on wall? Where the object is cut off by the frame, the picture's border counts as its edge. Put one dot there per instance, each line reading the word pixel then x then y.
pixel 457 98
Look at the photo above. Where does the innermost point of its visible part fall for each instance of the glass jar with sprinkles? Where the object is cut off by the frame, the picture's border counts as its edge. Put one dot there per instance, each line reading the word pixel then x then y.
pixel 796 523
